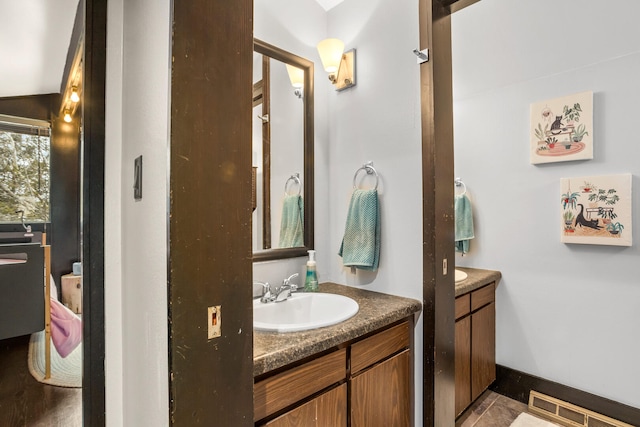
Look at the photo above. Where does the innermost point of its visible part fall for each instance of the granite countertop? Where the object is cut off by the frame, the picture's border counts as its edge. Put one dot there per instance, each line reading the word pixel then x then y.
pixel 476 278
pixel 272 350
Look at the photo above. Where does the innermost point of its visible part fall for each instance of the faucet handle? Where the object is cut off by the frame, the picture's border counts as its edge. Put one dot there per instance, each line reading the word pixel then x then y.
pixel 288 279
pixel 266 291
pixel 265 286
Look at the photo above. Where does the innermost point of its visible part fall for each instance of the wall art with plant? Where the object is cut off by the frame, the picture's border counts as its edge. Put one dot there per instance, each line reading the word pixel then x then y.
pixel 596 210
pixel 562 129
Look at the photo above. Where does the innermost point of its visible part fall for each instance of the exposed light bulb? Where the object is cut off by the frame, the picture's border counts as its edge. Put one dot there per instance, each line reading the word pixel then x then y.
pixel 67 116
pixel 75 97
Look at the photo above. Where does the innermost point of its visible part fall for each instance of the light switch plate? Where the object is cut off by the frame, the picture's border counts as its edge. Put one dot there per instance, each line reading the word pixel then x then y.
pixel 214 322
pixel 137 178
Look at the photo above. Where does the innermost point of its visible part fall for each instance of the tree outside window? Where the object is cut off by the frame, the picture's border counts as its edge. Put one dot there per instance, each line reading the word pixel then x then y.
pixel 24 175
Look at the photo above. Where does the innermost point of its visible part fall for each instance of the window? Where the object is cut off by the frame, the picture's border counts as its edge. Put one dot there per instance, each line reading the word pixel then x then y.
pixel 24 169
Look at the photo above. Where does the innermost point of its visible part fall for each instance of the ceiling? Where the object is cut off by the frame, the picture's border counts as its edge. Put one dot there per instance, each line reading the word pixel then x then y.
pixel 34 41
pixel 328 4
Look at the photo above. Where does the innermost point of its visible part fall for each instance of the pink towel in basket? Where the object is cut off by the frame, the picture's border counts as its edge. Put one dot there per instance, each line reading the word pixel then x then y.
pixel 66 328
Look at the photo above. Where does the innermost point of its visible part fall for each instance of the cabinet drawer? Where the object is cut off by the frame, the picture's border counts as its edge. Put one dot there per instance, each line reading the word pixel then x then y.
pixel 373 349
pixel 482 296
pixel 463 305
pixel 281 390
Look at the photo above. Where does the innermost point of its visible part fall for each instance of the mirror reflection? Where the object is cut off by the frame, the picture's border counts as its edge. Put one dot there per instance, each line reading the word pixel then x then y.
pixel 282 153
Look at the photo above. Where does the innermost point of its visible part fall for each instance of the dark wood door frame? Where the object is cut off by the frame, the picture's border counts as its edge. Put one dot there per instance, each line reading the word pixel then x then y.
pixel 210 253
pixel 93 379
pixel 438 222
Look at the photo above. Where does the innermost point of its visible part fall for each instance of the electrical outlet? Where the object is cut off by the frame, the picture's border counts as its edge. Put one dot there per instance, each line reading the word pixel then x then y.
pixel 214 321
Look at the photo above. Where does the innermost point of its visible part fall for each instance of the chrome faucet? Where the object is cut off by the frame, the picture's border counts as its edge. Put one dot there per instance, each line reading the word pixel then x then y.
pixel 279 293
pixel 284 291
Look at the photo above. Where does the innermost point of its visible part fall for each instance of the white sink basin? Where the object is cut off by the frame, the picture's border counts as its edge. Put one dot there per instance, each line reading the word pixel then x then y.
pixel 302 311
pixel 460 275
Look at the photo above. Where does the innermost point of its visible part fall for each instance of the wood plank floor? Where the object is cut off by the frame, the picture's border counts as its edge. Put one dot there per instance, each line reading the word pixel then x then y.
pixel 27 402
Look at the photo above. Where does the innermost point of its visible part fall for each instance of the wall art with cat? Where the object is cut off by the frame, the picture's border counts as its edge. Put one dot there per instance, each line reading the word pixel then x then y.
pixel 596 210
pixel 562 129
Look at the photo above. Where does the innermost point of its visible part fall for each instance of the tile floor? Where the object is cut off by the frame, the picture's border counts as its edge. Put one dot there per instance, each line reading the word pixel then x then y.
pixel 491 410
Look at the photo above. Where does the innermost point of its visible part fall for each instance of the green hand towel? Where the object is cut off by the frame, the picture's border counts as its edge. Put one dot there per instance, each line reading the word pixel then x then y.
pixel 360 246
pixel 292 224
pixel 463 223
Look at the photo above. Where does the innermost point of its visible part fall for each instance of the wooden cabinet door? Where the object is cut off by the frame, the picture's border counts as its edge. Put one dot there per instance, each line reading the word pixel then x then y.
pixel 463 363
pixel 332 408
pixel 328 409
pixel 381 396
pixel 483 345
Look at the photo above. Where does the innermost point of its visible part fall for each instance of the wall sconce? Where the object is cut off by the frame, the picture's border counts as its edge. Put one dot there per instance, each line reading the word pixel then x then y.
pixel 296 75
pixel 340 65
pixel 67 116
pixel 75 96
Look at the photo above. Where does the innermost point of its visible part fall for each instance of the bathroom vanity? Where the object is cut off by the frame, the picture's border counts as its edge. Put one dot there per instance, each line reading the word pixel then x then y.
pixel 475 342
pixel 353 372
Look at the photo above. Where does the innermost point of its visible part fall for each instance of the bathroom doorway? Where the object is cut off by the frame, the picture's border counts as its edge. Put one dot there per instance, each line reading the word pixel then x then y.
pixel 76 223
pixel 437 176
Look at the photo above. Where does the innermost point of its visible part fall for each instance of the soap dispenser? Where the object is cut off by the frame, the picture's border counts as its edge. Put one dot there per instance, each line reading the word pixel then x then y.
pixel 311 281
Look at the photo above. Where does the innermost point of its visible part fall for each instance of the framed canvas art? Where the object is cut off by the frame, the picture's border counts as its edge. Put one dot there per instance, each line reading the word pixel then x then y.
pixel 596 210
pixel 561 129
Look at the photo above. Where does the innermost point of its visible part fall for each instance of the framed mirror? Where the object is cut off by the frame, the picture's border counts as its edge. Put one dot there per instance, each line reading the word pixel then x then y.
pixel 282 147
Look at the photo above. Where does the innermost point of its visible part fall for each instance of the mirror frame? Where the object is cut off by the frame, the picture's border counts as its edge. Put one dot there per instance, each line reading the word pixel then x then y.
pixel 281 55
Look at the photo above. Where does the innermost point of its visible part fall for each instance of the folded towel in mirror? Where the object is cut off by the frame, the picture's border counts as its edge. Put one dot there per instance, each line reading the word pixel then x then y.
pixel 463 223
pixel 292 223
pixel 360 246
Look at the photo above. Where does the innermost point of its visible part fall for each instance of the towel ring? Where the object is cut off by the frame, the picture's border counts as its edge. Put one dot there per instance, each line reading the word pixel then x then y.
pixel 296 179
pixel 369 169
pixel 458 182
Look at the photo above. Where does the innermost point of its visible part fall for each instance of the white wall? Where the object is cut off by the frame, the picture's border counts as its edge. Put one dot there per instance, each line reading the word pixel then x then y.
pixel 113 218
pixel 565 312
pixel 136 240
pixel 379 120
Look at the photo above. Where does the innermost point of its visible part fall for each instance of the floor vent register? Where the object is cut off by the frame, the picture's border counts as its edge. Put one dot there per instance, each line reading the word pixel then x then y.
pixel 567 414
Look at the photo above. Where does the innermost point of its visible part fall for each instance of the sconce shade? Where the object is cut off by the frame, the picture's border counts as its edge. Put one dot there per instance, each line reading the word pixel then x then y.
pixel 330 51
pixel 296 75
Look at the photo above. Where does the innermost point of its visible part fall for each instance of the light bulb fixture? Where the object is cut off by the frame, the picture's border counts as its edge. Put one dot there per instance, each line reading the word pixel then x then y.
pixel 340 65
pixel 74 97
pixel 296 76
pixel 67 116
